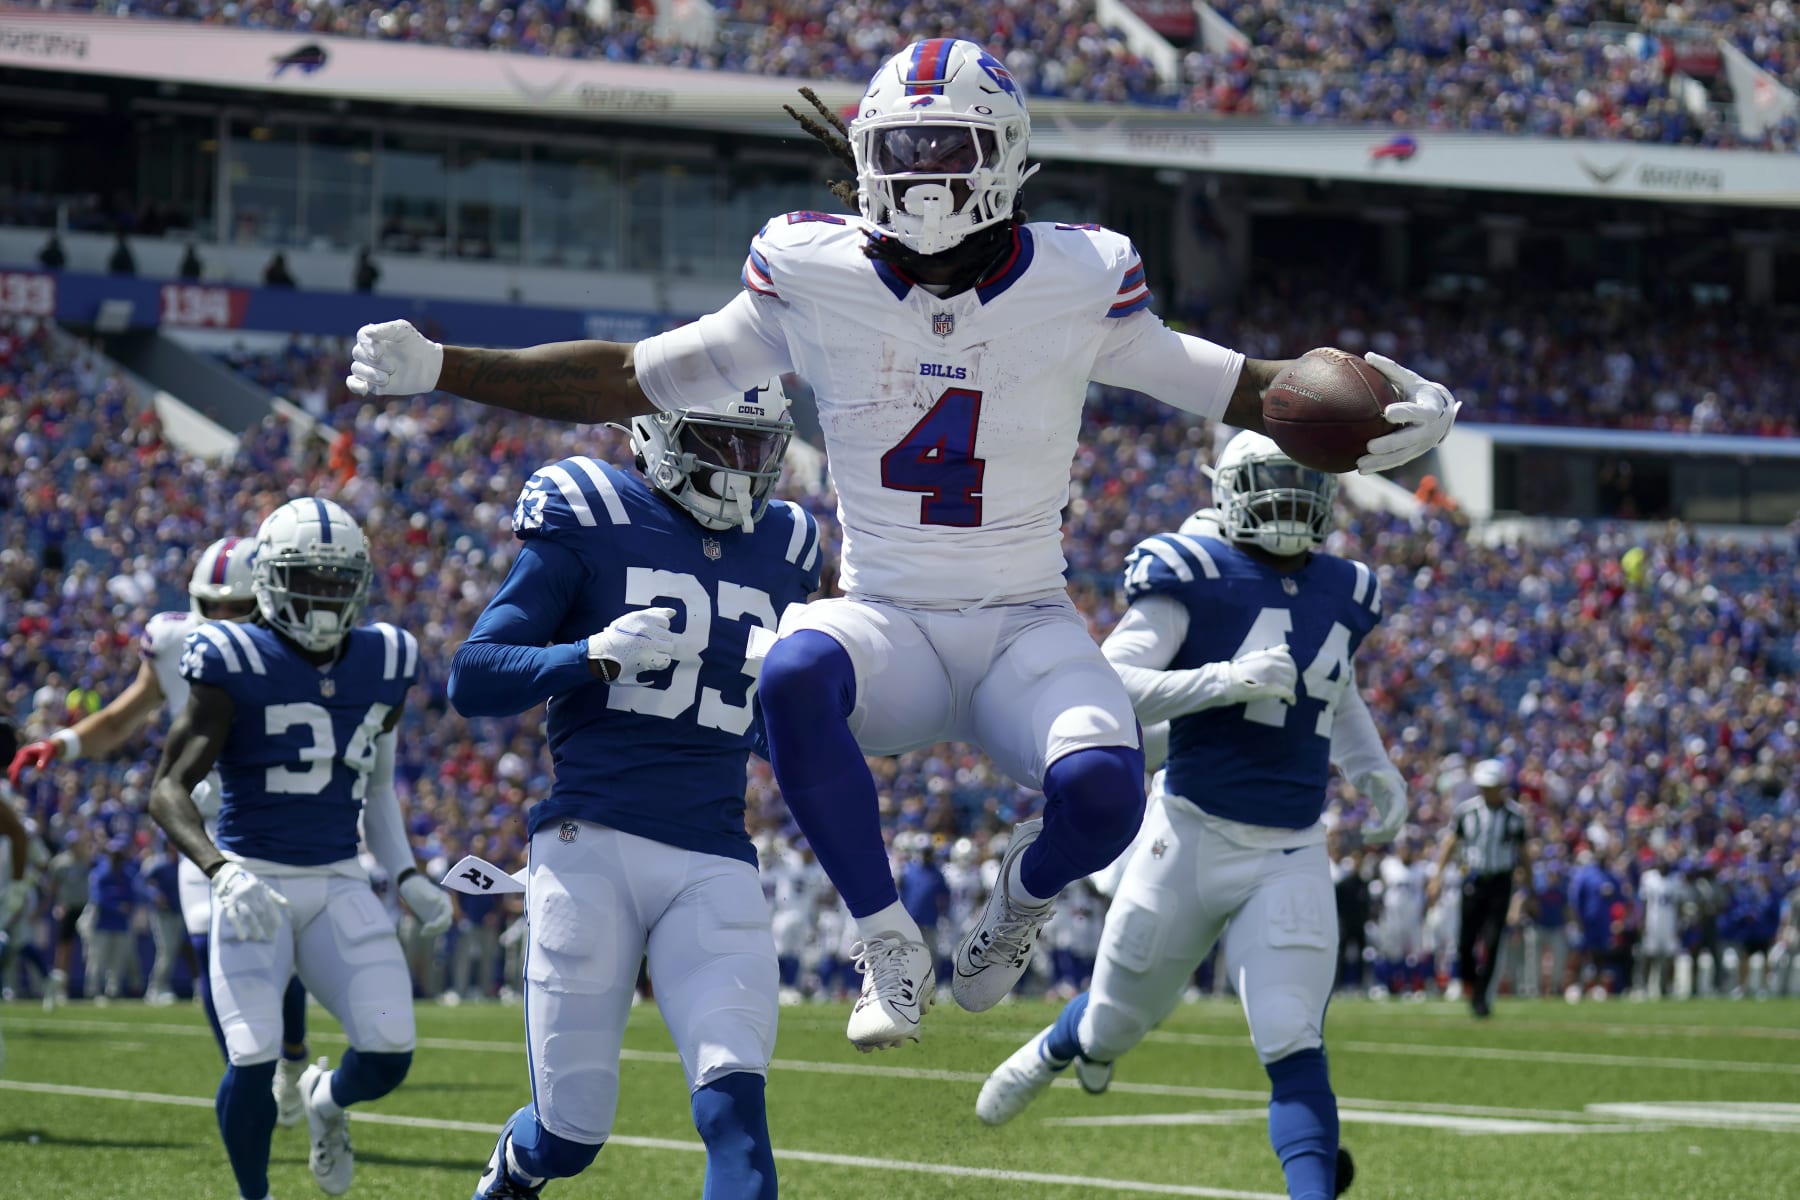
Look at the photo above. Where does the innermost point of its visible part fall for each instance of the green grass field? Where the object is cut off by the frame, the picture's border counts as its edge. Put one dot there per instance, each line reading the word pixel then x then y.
pixel 1671 1100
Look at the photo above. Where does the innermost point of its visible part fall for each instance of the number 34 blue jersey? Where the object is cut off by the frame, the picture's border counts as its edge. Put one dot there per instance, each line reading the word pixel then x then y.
pixel 665 759
pixel 1264 763
pixel 302 743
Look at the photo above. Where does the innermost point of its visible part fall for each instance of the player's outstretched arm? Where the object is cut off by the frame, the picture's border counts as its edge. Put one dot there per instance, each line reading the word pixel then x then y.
pixel 195 742
pixel 588 382
pixel 1146 640
pixel 98 734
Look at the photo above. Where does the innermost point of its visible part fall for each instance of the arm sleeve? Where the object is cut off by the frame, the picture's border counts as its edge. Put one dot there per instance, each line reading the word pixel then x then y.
pixel 505 667
pixel 1355 742
pixel 1140 649
pixel 717 358
pixel 1156 746
pixel 383 827
pixel 1190 373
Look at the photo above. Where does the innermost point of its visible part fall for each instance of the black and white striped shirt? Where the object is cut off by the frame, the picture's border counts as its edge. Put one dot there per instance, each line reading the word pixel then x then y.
pixel 1491 838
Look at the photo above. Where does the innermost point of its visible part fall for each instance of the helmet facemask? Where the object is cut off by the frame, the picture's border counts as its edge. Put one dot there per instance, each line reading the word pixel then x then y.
pixel 720 467
pixel 1276 504
pixel 312 596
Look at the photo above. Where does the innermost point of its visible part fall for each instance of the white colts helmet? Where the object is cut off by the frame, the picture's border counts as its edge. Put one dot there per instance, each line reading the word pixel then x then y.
pixel 222 576
pixel 1269 500
pixel 312 572
pixel 940 113
pixel 1205 522
pixel 719 466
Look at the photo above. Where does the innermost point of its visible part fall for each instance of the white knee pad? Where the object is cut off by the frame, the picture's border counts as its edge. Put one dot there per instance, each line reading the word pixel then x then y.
pixel 1284 1021
pixel 1109 1029
pixel 378 1020
pixel 577 1098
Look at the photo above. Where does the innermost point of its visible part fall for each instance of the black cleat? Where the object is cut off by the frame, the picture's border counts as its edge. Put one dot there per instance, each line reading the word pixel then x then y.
pixel 1346 1171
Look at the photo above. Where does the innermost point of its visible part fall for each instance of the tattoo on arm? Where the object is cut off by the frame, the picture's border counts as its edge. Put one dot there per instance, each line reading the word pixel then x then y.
pixel 584 382
pixel 1245 408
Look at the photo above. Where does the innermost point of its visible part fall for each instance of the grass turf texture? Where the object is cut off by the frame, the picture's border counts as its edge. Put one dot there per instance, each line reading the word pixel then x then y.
pixel 1436 1106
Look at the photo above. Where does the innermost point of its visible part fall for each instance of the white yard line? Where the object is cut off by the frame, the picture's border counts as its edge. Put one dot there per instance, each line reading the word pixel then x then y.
pixel 1474 1126
pixel 861 1069
pixel 857 1162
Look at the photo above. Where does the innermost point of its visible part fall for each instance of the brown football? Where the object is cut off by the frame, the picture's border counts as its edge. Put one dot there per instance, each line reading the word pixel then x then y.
pixel 1323 409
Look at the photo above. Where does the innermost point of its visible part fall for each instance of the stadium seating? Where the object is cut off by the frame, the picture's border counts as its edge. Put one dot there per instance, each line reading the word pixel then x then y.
pixel 1573 68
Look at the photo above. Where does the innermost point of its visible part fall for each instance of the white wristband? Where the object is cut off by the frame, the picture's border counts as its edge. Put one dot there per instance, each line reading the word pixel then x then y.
pixel 70 741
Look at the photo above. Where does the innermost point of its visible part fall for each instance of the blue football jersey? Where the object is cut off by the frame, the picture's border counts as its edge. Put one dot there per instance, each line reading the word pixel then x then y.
pixel 302 743
pixel 1263 763
pixel 664 760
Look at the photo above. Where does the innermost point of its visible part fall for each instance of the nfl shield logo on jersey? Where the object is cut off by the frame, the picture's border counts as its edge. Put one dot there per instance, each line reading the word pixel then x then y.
pixel 568 831
pixel 328 688
pixel 1158 848
pixel 943 324
pixel 710 548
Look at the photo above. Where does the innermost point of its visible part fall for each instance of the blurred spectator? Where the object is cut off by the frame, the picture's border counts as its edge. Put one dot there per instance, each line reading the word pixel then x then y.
pixel 121 262
pixel 52 257
pixel 367 273
pixel 114 896
pixel 276 274
pixel 190 267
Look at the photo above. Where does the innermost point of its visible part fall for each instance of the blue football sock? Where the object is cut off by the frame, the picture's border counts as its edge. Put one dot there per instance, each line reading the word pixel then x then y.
pixel 1093 805
pixel 729 1113
pixel 807 691
pixel 789 968
pixel 203 985
pixel 1303 1124
pixel 367 1075
pixel 246 1108
pixel 293 1021
pixel 1064 1043
pixel 543 1155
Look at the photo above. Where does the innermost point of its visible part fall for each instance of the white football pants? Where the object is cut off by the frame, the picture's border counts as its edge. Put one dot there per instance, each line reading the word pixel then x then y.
pixel 1187 883
pixel 337 937
pixel 601 900
pixel 1025 682
pixel 195 890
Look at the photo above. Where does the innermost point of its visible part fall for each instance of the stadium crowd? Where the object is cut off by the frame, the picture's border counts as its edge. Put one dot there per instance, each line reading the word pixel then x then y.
pixel 1554 68
pixel 1636 684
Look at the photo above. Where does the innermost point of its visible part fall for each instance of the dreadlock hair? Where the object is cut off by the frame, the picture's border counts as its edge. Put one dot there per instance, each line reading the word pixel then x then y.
pixel 971 257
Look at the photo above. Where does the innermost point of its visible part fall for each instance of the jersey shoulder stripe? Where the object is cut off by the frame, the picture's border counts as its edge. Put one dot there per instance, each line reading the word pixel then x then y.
pixel 803 540
pixel 572 494
pixel 399 650
pixel 245 644
pixel 1196 548
pixel 603 484
pixel 208 654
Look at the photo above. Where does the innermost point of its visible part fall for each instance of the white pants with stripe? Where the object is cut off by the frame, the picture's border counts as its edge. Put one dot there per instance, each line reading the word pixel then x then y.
pixel 1025 682
pixel 1191 881
pixel 337 937
pixel 600 901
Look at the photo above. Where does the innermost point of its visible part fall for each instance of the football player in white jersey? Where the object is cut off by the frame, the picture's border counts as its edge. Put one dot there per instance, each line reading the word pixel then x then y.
pixel 949 344
pixel 218 590
pixel 1400 930
pixel 1213 642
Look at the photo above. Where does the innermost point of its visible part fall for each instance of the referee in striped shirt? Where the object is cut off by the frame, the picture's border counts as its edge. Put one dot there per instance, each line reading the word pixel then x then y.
pixel 1490 830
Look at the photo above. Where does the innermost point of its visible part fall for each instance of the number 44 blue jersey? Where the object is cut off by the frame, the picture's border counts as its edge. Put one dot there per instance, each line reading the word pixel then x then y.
pixel 1264 763
pixel 302 743
pixel 663 760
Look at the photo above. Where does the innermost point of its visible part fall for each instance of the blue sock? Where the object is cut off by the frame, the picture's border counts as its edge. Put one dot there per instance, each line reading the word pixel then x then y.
pixel 1303 1124
pixel 1063 1045
pixel 246 1108
pixel 293 1021
pixel 367 1075
pixel 1093 805
pixel 807 692
pixel 543 1155
pixel 740 1163
pixel 789 968
pixel 203 984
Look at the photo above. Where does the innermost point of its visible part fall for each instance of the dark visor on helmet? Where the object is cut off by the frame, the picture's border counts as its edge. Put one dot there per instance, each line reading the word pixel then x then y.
pixel 933 150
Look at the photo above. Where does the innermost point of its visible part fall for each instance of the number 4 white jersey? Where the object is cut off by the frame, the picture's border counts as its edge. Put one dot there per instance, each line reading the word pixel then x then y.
pixel 950 422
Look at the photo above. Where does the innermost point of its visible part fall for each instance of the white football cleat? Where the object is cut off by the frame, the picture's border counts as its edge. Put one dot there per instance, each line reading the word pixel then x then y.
pixel 899 985
pixel 289 1108
pixel 331 1160
pixel 1016 1082
pixel 994 954
pixel 1094 1077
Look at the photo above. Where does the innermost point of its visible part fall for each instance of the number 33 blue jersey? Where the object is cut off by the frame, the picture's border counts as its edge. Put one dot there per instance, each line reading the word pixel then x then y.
pixel 1263 763
pixel 664 760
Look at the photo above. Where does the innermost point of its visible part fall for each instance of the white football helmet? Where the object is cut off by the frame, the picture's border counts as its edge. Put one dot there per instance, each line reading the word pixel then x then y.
pixel 312 572
pixel 1269 500
pixel 222 575
pixel 1205 522
pixel 939 114
pixel 719 466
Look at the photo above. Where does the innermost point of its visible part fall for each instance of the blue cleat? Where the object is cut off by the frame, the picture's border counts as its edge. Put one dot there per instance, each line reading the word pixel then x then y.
pixel 497 1182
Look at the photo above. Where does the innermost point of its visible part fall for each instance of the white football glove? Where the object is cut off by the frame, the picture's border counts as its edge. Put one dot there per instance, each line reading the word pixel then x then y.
pixel 638 641
pixel 1386 793
pixel 1262 675
pixel 393 359
pixel 1425 412
pixel 428 902
pixel 250 906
